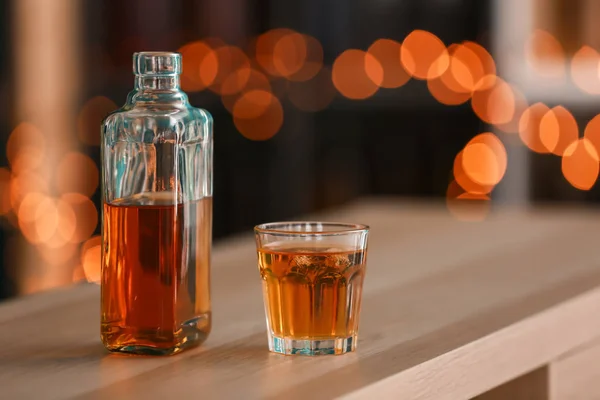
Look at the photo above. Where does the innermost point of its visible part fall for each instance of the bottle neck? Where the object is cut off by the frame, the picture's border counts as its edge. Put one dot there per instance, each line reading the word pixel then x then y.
pixel 165 82
pixel 157 89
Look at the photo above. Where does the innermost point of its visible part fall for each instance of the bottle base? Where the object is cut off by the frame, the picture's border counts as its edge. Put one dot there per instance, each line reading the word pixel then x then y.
pixel 152 342
pixel 312 347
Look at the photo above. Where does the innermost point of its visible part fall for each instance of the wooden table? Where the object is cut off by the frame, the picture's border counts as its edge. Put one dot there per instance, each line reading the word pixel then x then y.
pixel 451 310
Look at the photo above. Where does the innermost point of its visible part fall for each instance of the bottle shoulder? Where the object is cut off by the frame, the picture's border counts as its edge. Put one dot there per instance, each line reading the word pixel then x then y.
pixel 150 123
pixel 159 111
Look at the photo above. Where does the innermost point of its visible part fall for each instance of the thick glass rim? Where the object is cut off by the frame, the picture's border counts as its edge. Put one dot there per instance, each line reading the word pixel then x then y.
pixel 157 54
pixel 278 228
pixel 156 63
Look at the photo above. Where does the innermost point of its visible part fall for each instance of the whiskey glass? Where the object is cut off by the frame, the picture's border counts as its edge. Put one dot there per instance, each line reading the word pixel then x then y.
pixel 312 277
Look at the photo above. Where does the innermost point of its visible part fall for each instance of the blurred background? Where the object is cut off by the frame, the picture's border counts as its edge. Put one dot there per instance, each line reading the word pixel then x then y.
pixel 470 103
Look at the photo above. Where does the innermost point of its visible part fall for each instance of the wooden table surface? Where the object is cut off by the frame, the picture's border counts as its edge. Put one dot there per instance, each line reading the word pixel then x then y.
pixel 451 310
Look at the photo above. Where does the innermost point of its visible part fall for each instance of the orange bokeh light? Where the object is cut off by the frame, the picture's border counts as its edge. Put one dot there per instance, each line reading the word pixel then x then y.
pixel 252 104
pixel 54 222
pixel 27 159
pixel 422 50
pixel 545 54
pixel 23 184
pixel 47 221
pixel 28 207
pixel 558 129
pixel 236 81
pixel 313 95
pixel 313 61
pixel 585 68
pixel 199 66
pixel 529 127
pixel 258 115
pixel 26 215
pixel 231 61
pixel 445 95
pixel 592 132
pixel 90 118
pixel 356 74
pixel 496 104
pixel 91 252
pixel 373 69
pixel 445 89
pixel 466 68
pixel 77 173
pixel 485 60
pixel 289 54
pixel 5 179
pixel 464 181
pixel 265 46
pixel 387 53
pixel 25 148
pixel 484 159
pixel 85 213
pixel 580 164
pixel 66 225
pixel 448 77
pixel 256 81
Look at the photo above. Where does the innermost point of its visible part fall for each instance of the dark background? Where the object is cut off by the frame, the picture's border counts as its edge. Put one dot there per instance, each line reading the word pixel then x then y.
pixel 398 142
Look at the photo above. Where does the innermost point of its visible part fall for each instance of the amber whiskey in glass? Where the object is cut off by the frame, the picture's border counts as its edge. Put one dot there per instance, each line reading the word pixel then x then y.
pixel 312 285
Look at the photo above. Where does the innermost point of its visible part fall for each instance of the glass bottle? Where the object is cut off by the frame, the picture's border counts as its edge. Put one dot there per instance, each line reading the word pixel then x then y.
pixel 157 215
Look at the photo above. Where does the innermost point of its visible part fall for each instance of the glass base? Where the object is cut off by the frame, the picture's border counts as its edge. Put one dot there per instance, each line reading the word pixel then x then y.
pixel 312 347
pixel 141 350
pixel 150 342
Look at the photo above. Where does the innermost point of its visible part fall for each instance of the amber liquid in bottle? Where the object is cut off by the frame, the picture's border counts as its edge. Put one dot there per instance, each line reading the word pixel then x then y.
pixel 312 293
pixel 155 281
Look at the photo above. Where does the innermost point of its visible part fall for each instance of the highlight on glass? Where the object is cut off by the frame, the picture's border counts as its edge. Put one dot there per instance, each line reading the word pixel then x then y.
pixel 312 276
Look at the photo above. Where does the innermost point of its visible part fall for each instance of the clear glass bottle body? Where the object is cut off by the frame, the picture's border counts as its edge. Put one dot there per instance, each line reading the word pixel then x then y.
pixel 157 215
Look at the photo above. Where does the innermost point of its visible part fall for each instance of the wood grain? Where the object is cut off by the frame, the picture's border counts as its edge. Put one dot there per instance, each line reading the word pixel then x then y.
pixel 451 310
